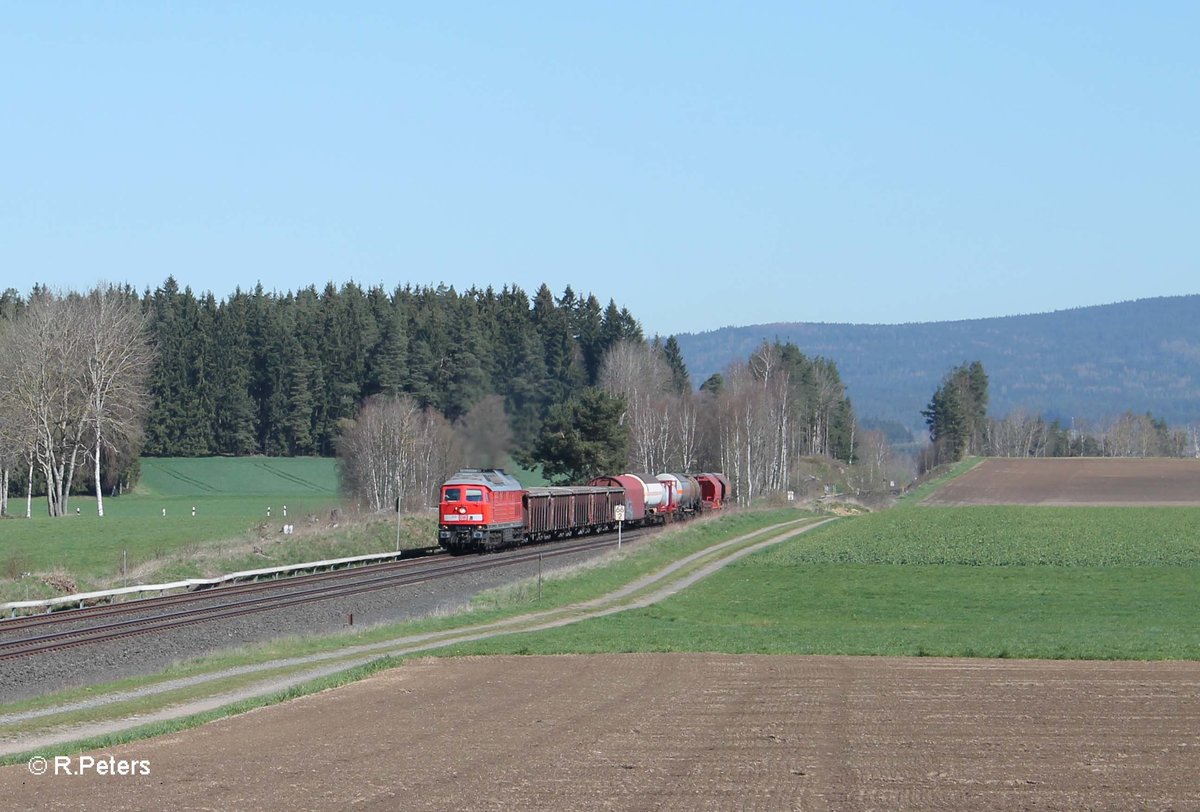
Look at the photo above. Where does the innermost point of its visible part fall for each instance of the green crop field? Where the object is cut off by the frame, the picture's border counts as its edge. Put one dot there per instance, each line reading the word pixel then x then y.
pixel 241 476
pixel 1035 582
pixel 1009 536
pixel 231 497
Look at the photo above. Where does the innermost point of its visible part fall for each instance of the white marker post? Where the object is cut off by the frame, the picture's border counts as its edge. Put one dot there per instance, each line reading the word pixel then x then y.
pixel 619 515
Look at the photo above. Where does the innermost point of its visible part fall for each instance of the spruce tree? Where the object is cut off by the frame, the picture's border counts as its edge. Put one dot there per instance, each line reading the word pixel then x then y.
pixel 564 373
pixel 583 438
pixel 680 380
pixel 589 332
pixel 387 366
pixel 233 408
pixel 520 366
pixel 957 413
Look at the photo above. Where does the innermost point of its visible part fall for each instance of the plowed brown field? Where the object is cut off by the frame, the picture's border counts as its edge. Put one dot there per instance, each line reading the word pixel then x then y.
pixel 1075 482
pixel 686 732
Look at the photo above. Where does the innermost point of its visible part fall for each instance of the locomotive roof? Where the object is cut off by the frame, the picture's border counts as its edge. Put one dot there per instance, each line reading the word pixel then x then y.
pixel 494 478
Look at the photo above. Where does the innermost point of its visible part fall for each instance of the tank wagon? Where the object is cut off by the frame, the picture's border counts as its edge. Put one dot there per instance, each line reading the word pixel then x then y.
pixel 645 497
pixel 484 509
pixel 683 493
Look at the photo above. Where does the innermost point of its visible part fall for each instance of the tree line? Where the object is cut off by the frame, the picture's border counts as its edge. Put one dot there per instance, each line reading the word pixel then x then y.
pixel 959 424
pixel 411 382
pixel 1093 362
pixel 755 422
pixel 268 373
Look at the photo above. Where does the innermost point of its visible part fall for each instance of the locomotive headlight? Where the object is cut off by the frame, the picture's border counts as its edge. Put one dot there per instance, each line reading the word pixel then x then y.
pixel 462 510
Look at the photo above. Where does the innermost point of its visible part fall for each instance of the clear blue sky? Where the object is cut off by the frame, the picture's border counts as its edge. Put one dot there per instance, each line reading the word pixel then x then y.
pixel 703 164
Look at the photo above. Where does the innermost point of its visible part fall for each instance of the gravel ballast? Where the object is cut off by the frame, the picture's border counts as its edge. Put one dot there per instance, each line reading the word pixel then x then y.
pixel 95 663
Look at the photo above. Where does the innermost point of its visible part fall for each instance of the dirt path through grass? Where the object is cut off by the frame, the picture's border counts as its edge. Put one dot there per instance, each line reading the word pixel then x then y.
pixel 642 592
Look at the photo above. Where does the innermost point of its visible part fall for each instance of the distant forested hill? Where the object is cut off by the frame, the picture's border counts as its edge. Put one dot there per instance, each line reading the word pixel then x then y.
pixel 1090 363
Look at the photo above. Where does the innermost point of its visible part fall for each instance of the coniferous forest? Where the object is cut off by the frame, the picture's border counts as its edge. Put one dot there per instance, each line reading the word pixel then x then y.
pixel 277 374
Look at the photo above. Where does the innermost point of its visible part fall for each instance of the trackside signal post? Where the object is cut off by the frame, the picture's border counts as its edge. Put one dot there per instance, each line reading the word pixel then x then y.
pixel 619 515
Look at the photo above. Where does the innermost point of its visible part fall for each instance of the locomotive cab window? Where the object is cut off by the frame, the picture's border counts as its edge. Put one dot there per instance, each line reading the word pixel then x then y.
pixel 474 495
pixel 452 495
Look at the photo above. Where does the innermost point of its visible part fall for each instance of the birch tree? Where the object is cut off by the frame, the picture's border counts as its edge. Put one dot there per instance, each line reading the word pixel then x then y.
pixel 765 414
pixel 15 434
pixel 394 453
pixel 875 460
pixel 1019 434
pixel 74 372
pixel 637 372
pixel 47 386
pixel 117 368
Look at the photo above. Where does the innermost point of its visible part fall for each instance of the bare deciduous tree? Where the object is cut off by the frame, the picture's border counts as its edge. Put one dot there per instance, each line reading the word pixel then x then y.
pixel 118 363
pixel 74 370
pixel 15 433
pixel 395 453
pixel 1019 434
pixel 746 433
pixel 47 386
pixel 873 471
pixel 769 413
pixel 685 432
pixel 637 371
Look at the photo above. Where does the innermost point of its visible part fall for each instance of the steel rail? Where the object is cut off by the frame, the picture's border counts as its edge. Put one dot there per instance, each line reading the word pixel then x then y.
pixel 63 616
pixel 138 626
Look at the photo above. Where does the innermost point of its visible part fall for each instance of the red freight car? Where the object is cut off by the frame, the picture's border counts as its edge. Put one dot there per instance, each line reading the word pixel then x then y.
pixel 714 490
pixel 558 512
pixel 643 496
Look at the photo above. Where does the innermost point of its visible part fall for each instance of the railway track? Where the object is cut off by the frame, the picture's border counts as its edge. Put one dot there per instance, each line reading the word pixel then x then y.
pixel 103 623
pixel 141 605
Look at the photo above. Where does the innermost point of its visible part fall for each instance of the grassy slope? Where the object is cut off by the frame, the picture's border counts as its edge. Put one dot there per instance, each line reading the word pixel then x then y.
pixel 240 476
pixel 231 497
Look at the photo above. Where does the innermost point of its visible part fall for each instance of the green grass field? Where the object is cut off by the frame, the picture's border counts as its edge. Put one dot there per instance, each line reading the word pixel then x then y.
pixel 240 505
pixel 241 476
pixel 1004 581
pixel 231 497
pixel 1079 583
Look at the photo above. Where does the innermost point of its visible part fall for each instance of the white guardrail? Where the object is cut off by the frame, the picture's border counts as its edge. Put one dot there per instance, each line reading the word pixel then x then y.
pixel 193 584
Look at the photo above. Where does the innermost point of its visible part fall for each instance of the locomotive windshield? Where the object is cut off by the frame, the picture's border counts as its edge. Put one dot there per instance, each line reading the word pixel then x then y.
pixel 456 495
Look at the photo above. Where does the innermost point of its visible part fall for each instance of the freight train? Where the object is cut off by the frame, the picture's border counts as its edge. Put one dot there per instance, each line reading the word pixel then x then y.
pixel 484 509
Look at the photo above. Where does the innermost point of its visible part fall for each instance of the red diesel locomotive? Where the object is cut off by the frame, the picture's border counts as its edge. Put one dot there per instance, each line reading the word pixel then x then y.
pixel 486 509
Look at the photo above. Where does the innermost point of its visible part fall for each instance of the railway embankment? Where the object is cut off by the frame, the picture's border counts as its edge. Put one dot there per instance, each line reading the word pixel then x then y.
pixel 227 684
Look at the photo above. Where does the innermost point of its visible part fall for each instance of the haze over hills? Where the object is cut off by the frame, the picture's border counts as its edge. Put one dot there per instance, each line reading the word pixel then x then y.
pixel 1089 363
